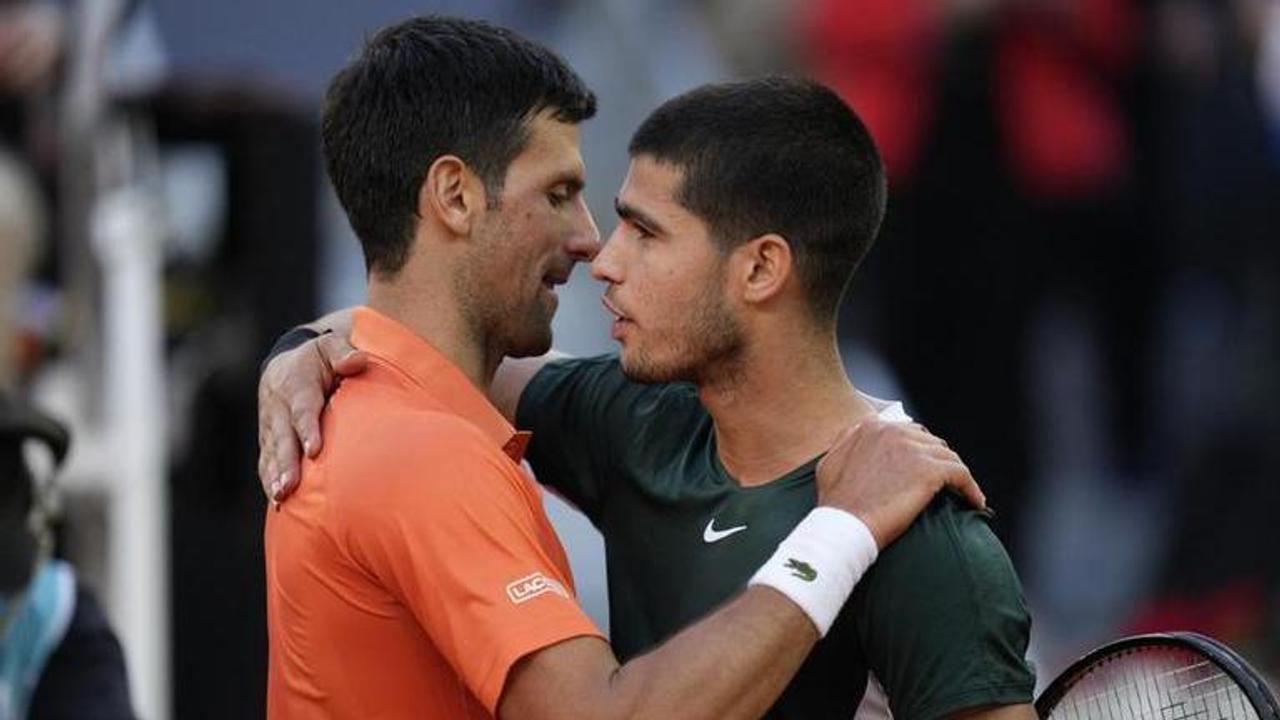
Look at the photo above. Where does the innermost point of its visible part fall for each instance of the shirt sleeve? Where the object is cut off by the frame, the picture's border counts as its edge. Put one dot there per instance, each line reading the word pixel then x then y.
pixel 453 531
pixel 942 618
pixel 580 412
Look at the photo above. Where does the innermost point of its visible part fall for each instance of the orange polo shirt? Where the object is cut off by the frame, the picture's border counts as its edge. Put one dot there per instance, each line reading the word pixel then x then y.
pixel 414 565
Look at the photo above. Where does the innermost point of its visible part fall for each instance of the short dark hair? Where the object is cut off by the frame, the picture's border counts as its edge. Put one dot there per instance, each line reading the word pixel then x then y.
pixel 781 155
pixel 427 87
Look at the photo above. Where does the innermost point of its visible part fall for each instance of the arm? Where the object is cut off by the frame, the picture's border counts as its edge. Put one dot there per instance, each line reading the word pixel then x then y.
pixel 1021 711
pixel 291 393
pixel 759 624
pixel 757 643
pixel 733 664
pixel 296 382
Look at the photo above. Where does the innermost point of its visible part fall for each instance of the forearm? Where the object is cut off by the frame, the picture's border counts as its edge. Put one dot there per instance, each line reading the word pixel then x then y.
pixel 733 664
pixel 1021 711
pixel 737 662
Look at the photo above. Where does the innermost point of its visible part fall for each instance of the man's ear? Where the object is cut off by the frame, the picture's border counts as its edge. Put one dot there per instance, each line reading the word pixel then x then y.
pixel 763 266
pixel 452 194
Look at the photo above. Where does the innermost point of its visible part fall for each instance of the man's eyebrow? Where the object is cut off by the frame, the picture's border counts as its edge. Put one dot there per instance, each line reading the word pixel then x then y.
pixel 572 179
pixel 636 215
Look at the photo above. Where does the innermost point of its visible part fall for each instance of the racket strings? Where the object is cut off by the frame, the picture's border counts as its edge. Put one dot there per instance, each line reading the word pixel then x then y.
pixel 1155 676
pixel 1154 684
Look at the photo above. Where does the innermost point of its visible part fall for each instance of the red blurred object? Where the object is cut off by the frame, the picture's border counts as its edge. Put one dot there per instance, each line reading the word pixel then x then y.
pixel 881 56
pixel 1059 72
pixel 29 351
pixel 1235 612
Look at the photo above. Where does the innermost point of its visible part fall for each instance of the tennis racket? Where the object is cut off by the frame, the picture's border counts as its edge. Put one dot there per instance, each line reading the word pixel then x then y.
pixel 1165 676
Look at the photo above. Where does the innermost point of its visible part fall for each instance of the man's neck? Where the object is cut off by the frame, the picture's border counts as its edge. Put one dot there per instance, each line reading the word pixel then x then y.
pixel 781 406
pixel 440 321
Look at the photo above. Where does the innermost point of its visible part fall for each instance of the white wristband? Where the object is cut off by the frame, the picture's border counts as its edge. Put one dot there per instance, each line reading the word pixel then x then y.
pixel 817 565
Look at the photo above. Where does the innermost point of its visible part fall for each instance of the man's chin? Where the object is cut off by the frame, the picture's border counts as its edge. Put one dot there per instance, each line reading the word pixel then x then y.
pixel 644 371
pixel 531 345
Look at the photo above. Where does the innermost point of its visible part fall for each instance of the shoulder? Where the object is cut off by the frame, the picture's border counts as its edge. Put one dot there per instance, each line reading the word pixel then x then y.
pixel 942 618
pixel 405 455
pixel 947 579
pixel 388 438
pixel 422 480
pixel 953 547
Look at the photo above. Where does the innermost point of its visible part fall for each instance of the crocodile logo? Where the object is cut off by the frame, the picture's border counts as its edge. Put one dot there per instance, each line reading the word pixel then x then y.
pixel 801 569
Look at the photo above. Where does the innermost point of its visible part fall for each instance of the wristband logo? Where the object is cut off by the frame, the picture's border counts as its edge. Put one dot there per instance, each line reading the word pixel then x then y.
pixel 531 586
pixel 801 569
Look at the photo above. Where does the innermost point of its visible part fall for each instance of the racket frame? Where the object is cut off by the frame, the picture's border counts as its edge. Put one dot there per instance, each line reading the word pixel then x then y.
pixel 1227 660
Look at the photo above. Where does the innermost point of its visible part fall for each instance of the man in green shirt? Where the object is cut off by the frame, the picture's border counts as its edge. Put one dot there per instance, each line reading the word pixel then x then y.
pixel 745 212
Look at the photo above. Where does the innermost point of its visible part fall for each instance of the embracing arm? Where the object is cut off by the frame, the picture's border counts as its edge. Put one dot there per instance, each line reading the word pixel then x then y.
pixel 299 377
pixel 1020 711
pixel 732 664
pixel 296 380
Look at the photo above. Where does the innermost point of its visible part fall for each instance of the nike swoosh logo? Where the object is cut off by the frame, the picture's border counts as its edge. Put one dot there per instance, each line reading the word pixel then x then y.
pixel 711 534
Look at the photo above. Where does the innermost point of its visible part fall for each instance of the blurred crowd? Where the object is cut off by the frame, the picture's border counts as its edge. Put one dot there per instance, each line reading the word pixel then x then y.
pixel 1076 284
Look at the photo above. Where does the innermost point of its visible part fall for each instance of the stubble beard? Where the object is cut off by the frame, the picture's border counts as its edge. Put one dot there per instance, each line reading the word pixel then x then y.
pixel 531 335
pixel 710 345
pixel 503 324
pixel 505 331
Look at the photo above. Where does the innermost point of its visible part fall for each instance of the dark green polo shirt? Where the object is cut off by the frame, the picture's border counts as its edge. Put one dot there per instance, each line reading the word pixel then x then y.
pixel 939 621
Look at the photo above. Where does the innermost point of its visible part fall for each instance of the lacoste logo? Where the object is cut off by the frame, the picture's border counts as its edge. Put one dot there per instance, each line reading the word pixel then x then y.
pixel 802 570
pixel 531 586
pixel 711 534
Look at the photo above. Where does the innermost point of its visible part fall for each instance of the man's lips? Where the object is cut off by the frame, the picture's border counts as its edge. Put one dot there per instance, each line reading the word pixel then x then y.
pixel 613 310
pixel 620 321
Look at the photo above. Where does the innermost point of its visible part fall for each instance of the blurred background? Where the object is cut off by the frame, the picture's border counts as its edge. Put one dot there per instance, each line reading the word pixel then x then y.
pixel 1077 285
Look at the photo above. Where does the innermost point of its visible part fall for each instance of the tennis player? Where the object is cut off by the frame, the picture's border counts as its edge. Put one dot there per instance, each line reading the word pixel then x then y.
pixel 414 573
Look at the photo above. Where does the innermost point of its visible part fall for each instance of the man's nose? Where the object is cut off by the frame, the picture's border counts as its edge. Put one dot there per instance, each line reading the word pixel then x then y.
pixel 584 243
pixel 605 265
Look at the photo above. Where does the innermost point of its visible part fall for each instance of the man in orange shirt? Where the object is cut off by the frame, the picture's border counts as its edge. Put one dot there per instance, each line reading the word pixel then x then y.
pixel 414 572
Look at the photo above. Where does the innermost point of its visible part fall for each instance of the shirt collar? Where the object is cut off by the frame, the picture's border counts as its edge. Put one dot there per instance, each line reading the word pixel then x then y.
pixel 426 367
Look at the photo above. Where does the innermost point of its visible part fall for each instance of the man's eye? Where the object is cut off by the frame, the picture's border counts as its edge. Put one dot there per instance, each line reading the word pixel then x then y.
pixel 559 198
